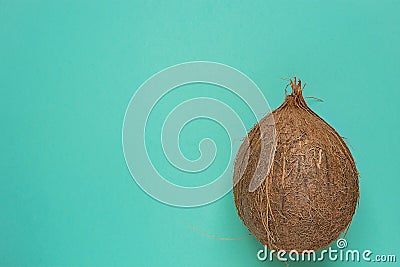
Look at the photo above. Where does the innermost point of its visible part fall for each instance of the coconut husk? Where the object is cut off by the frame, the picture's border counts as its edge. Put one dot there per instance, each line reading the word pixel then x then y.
pixel 310 193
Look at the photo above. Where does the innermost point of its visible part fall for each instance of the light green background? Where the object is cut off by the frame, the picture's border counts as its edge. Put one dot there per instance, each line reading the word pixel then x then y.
pixel 69 68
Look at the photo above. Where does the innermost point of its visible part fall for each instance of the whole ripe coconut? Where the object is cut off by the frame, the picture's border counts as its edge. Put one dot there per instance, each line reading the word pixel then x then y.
pixel 310 192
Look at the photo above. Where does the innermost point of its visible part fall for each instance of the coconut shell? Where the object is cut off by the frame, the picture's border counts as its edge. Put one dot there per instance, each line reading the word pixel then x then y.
pixel 310 192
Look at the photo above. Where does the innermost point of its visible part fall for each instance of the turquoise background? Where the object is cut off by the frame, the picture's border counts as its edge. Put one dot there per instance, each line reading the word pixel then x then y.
pixel 69 68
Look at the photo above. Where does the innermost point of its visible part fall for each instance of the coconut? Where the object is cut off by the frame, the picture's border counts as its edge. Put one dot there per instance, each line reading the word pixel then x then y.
pixel 310 191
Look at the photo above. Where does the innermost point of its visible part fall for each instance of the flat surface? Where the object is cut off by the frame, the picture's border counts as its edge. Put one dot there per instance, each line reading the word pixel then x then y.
pixel 69 68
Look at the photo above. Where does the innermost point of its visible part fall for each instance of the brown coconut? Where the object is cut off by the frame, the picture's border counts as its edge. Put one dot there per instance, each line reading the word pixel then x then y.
pixel 309 195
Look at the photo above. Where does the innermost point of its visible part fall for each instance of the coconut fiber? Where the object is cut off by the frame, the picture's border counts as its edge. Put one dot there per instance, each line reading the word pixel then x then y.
pixel 311 191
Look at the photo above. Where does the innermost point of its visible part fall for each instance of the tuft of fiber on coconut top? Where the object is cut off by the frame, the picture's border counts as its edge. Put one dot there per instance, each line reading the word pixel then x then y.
pixel 310 193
